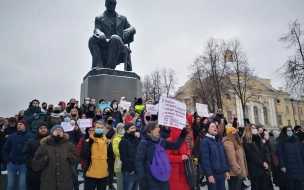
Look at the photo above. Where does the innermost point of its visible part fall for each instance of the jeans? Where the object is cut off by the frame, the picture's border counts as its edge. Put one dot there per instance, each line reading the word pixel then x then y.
pixel 295 184
pixel 258 183
pixel 219 184
pixel 92 183
pixel 12 170
pixel 234 183
pixel 75 177
pixel 130 181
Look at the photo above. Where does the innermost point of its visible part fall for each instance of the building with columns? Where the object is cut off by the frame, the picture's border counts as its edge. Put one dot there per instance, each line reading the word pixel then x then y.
pixel 270 107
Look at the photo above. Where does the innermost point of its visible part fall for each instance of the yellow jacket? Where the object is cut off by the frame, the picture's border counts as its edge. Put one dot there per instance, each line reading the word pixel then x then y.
pixel 139 109
pixel 99 166
pixel 116 142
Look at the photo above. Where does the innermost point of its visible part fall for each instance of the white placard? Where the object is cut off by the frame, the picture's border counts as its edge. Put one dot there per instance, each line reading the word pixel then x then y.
pixel 153 109
pixel 67 126
pixel 125 105
pixel 202 110
pixel 85 123
pixel 171 113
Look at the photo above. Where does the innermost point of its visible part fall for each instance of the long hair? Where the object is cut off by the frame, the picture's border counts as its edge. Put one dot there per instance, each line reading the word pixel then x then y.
pixel 247 133
pixel 74 109
pixel 283 135
pixel 236 143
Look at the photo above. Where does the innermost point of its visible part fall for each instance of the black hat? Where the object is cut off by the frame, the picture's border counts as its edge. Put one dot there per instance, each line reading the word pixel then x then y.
pixel 206 127
pixel 297 127
pixel 150 126
pixel 40 123
pixel 128 125
pixel 35 100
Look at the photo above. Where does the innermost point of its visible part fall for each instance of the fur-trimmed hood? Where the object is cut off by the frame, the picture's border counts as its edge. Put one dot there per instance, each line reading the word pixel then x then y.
pixel 49 138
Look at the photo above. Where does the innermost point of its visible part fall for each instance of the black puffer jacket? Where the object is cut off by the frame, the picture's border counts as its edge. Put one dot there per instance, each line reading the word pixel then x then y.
pixel 127 150
pixel 28 154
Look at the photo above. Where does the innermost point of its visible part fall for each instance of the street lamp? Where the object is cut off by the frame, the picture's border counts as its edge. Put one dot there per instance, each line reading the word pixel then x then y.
pixel 294 117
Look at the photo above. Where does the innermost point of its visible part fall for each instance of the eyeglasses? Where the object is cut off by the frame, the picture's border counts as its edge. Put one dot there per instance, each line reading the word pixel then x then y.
pixel 58 130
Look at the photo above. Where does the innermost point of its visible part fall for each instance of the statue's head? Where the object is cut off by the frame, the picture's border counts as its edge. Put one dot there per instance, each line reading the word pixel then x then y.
pixel 111 5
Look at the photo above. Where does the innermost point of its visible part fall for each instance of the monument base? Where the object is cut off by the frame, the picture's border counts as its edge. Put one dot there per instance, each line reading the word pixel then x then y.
pixel 109 84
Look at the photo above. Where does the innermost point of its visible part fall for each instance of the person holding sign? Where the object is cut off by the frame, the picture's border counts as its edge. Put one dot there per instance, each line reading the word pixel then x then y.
pixel 115 112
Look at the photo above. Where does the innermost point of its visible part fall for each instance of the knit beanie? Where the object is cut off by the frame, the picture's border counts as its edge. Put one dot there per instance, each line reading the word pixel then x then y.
pixel 68 115
pixel 206 127
pixel 119 125
pixel 229 130
pixel 150 126
pixel 23 122
pixel 35 100
pixel 56 127
pixel 128 125
pixel 40 124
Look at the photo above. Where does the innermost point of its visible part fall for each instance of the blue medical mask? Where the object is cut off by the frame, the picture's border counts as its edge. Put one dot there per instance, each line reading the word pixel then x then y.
pixel 98 131
pixel 67 119
pixel 121 132
pixel 132 113
pixel 289 133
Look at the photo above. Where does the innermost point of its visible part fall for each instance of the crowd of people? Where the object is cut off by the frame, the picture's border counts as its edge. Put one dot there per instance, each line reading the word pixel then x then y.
pixel 131 145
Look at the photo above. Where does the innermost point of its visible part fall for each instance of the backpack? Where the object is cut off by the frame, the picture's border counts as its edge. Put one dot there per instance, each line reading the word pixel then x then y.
pixel 191 172
pixel 160 166
pixel 36 118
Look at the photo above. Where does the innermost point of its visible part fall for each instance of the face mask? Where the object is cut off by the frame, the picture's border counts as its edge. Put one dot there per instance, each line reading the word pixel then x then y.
pixel 110 122
pixel 93 103
pixel 132 113
pixel 44 107
pixel 67 119
pixel 98 131
pixel 72 104
pixel 254 131
pixel 57 138
pixel 236 136
pixel 289 133
pixel 132 132
pixel 262 135
pixel 87 102
pixel 50 109
pixel 56 111
pixel 114 106
pixel 148 118
pixel 98 114
pixel 108 113
pixel 74 115
pixel 121 132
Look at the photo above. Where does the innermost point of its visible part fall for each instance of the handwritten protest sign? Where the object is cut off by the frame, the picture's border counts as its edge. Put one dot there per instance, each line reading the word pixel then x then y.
pixel 153 109
pixel 125 105
pixel 67 126
pixel 171 113
pixel 103 106
pixel 202 110
pixel 85 123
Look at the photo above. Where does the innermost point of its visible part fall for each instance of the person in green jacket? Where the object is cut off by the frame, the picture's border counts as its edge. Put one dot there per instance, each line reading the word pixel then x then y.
pixel 117 165
pixel 139 107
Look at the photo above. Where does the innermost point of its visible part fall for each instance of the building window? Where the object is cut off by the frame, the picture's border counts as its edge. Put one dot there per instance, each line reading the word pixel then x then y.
pixel 300 111
pixel 256 115
pixel 296 122
pixel 289 122
pixel 294 110
pixel 229 115
pixel 265 111
pixel 302 123
pixel 280 120
pixel 287 109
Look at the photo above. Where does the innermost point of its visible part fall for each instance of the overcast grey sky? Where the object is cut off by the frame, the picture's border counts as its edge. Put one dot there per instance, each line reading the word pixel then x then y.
pixel 44 44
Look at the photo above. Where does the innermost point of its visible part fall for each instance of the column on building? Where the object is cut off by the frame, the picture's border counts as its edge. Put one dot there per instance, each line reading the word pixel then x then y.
pixel 252 112
pixel 262 116
pixel 239 111
pixel 272 110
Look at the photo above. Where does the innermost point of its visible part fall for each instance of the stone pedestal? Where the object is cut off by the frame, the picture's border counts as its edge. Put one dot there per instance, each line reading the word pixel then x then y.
pixel 109 84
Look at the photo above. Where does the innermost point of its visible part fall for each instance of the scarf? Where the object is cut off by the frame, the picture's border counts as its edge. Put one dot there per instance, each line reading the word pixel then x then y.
pixel 153 137
pixel 56 115
pixel 34 109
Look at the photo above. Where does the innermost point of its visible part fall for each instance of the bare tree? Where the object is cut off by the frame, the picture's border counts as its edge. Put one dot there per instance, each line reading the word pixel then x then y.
pixel 294 66
pixel 147 86
pixel 169 81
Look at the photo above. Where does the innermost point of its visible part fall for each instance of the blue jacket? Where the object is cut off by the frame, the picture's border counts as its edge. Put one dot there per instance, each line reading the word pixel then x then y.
pixel 213 156
pixel 291 157
pixel 14 145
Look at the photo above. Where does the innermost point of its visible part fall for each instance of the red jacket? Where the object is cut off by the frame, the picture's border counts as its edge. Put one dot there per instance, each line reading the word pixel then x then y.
pixel 129 119
pixel 78 148
pixel 177 179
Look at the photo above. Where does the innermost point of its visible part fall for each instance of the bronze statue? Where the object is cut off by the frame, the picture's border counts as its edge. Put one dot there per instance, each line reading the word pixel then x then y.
pixel 108 43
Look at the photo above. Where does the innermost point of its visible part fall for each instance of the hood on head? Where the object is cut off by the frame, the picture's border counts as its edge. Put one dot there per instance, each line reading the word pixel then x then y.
pixel 175 132
pixel 122 98
pixel 112 105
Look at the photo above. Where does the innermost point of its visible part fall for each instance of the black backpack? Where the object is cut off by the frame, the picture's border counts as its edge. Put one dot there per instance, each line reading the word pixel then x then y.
pixel 191 172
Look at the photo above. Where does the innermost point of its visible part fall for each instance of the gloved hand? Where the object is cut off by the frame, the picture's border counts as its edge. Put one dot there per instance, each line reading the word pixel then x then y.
pixel 184 133
pixel 91 141
pixel 124 111
pixel 143 184
pixel 195 159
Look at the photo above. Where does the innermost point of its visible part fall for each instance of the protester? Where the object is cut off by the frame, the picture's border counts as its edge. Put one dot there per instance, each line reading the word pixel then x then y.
pixel 236 158
pixel 189 139
pixel 102 101
pixel 98 115
pixel 147 117
pixel 83 116
pixel 11 128
pixel 196 126
pixel 55 118
pixel 145 155
pixel 290 153
pixel 118 164
pixel 106 114
pixel 91 111
pixel 44 107
pixel 71 105
pixel 177 179
pixel 128 149
pixel 33 115
pixel 95 151
pixel 11 154
pixel 62 105
pixel 2 141
pixel 165 132
pixel 139 107
pixel 28 153
pixel 84 106
pixel 130 115
pixel 54 158
pixel 120 107
pixel 49 111
pixel 219 115
pixel 196 151
pixel 299 133
pixel 20 115
pixel 115 112
pixel 75 115
pixel 257 157
pixel 93 101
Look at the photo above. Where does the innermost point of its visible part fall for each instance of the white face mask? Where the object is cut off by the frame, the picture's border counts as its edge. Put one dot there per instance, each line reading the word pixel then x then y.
pixel 114 106
pixel 87 102
pixel 254 131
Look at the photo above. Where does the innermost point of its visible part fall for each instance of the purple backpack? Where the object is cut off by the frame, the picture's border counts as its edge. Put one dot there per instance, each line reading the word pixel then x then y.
pixel 160 166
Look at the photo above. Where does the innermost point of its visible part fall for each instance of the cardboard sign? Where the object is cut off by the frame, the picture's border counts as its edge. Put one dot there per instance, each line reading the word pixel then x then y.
pixel 67 126
pixel 84 123
pixel 171 113
pixel 103 106
pixel 153 109
pixel 125 105
pixel 202 110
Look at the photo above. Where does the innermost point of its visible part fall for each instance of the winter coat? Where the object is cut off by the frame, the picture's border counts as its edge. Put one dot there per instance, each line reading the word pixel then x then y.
pixel 115 147
pixel 213 156
pixel 2 141
pixel 144 155
pixel 79 148
pixel 164 133
pixel 52 121
pixel 197 143
pixel 127 149
pixel 196 128
pixel 10 130
pixel 129 119
pixel 117 115
pixel 291 157
pixel 13 147
pixel 55 161
pixel 177 179
pixel 96 155
pixel 74 136
pixel 218 118
pixel 139 109
pixel 28 154
pixel 236 159
pixel 109 132
pixel 277 174
pixel 256 154
pixel 33 118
